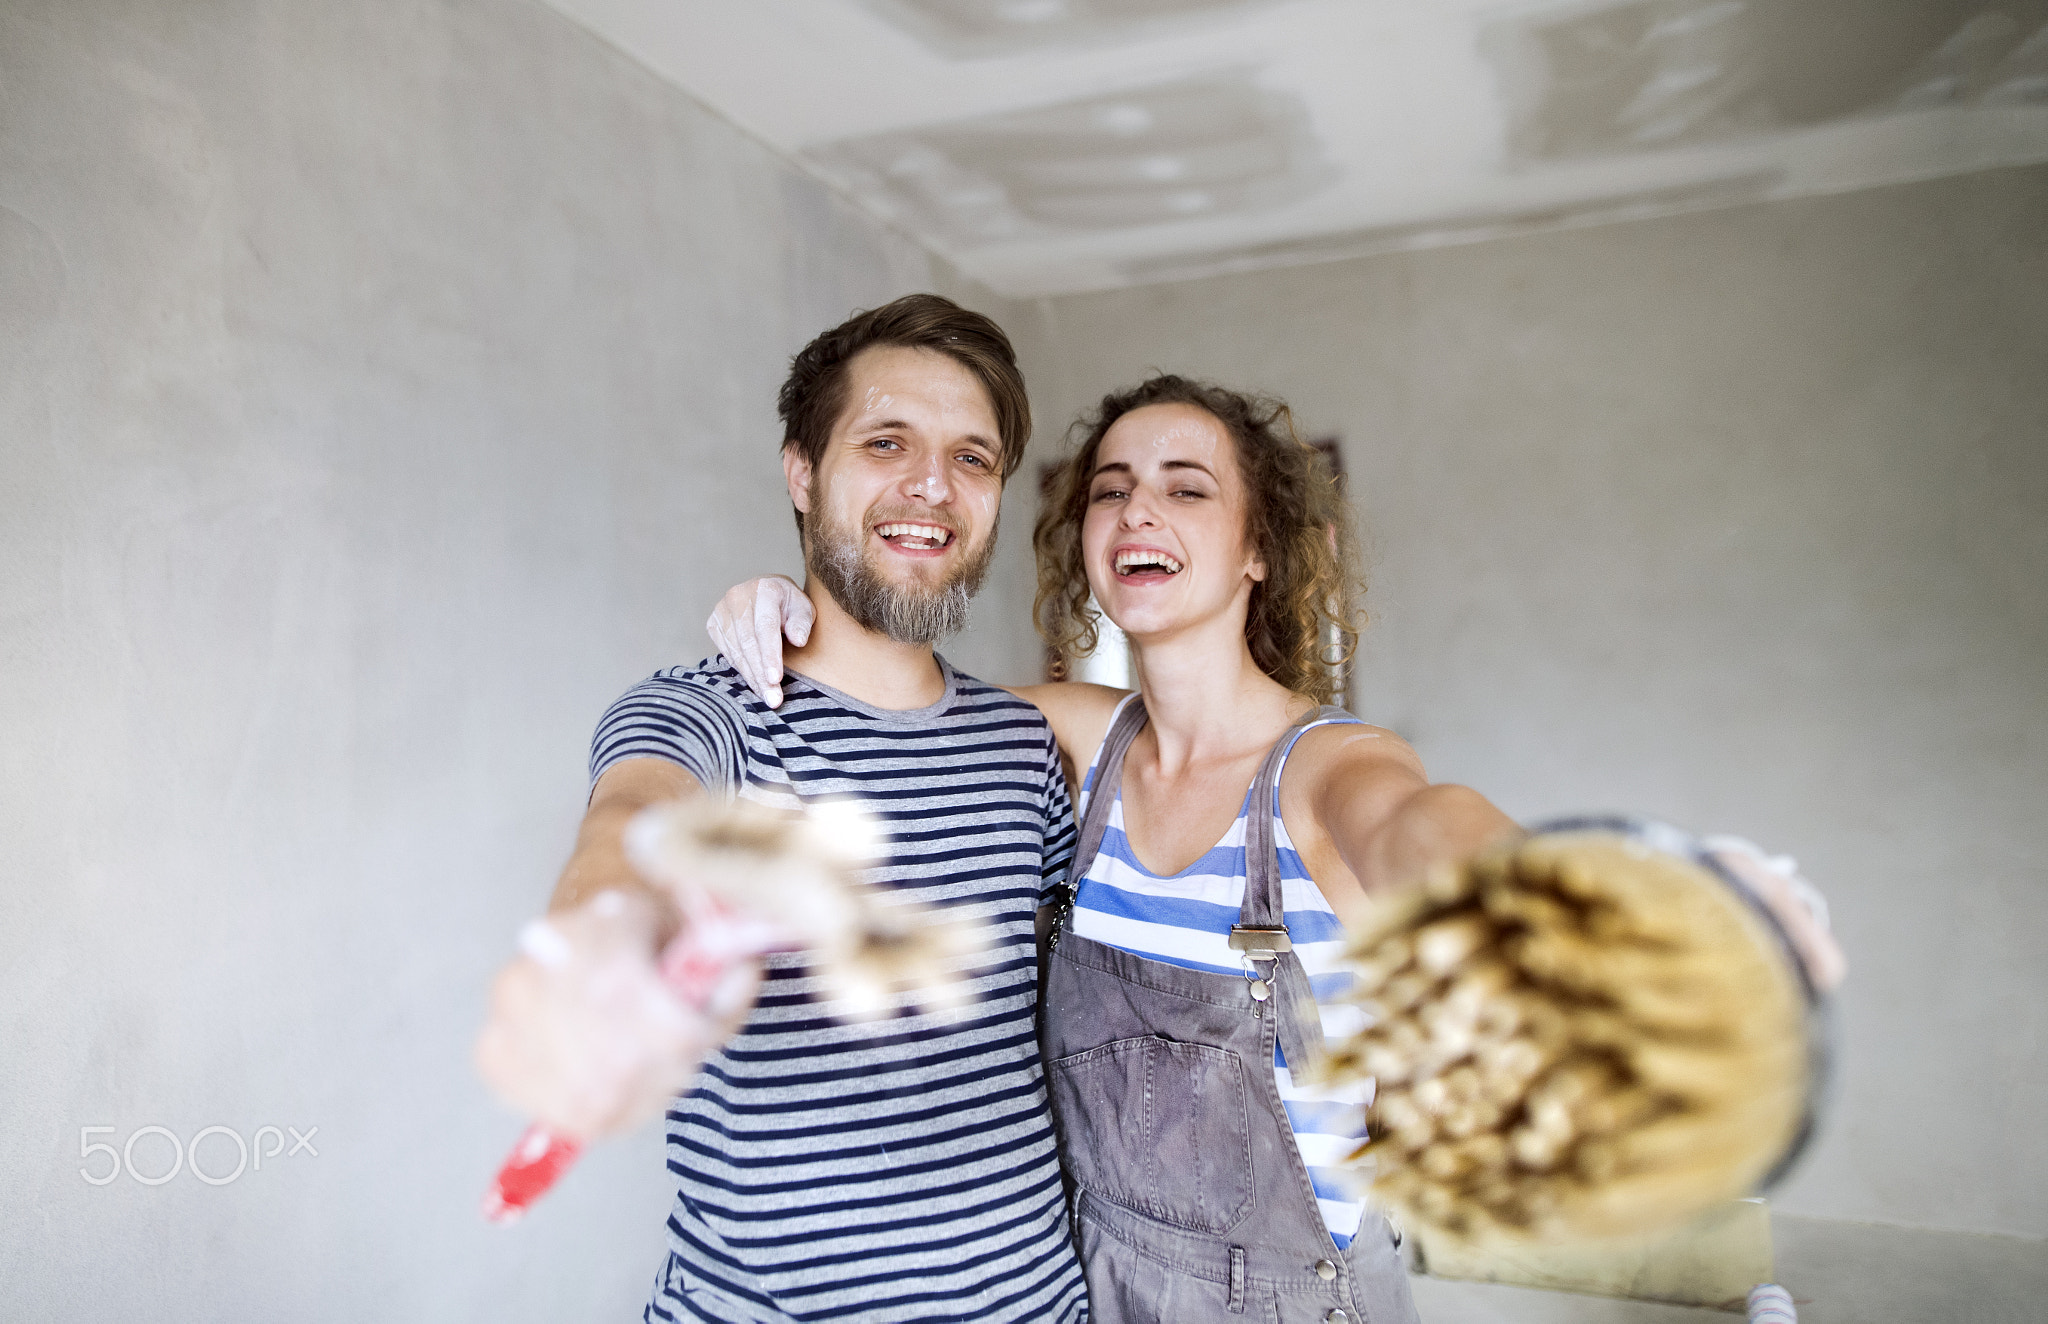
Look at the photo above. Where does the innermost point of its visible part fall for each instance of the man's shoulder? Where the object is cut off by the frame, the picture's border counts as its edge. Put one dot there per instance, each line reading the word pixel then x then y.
pixel 709 686
pixel 712 674
pixel 974 687
pixel 973 696
pixel 696 716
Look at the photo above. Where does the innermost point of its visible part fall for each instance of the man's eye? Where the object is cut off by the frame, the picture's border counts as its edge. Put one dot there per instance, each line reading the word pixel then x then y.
pixel 971 458
pixel 889 442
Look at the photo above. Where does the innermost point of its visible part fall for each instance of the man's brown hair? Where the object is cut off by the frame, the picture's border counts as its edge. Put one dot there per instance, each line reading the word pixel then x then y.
pixel 814 395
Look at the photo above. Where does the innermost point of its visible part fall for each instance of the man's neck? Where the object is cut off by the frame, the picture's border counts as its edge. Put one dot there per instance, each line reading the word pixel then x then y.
pixel 855 660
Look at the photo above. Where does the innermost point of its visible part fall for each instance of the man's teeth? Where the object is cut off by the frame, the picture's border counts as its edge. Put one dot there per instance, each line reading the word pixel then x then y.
pixel 923 535
pixel 1127 561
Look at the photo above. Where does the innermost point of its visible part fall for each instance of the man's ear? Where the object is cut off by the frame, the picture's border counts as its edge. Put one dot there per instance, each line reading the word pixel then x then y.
pixel 796 470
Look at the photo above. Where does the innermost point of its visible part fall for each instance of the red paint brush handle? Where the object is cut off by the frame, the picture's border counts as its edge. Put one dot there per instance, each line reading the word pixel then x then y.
pixel 692 965
pixel 529 1170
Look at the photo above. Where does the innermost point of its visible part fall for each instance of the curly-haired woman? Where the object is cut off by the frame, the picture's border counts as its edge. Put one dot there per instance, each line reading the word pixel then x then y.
pixel 1231 824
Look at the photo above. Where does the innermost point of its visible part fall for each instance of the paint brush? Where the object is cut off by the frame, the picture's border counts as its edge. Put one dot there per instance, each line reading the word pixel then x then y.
pixel 1590 1035
pixel 750 880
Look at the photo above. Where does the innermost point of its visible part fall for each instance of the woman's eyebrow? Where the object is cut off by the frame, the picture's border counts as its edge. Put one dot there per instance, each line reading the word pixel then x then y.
pixel 1118 466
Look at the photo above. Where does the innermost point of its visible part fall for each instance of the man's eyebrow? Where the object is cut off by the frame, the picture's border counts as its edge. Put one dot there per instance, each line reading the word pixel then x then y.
pixel 883 425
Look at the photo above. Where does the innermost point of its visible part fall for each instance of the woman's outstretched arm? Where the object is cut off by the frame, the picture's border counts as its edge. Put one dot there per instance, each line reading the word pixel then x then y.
pixel 1374 807
pixel 1371 801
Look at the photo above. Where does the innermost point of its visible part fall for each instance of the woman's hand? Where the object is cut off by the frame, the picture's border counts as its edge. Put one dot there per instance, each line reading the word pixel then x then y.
pixel 1796 903
pixel 748 626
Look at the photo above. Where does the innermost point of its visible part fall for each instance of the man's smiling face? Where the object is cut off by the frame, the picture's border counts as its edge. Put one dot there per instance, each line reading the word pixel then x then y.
pixel 900 513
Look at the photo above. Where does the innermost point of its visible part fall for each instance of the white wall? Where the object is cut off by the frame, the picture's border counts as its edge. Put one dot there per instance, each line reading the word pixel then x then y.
pixel 384 386
pixel 1740 519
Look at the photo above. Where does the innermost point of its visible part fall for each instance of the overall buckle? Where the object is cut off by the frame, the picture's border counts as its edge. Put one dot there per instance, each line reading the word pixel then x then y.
pixel 1260 942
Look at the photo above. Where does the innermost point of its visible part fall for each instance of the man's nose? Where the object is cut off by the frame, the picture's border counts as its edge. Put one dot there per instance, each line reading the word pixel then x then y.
pixel 928 482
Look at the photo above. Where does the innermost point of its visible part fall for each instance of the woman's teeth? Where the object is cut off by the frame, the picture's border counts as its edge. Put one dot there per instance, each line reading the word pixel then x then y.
pixel 1130 562
pixel 918 537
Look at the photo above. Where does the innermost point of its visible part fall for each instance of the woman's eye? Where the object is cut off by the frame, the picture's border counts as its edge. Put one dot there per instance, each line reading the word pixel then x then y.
pixel 1189 492
pixel 1109 494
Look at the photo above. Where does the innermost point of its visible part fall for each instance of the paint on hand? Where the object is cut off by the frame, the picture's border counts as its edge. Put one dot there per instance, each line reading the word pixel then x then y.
pixel 751 880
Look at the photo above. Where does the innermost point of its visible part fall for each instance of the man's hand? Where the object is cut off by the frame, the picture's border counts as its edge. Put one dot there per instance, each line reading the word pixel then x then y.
pixel 748 626
pixel 583 1034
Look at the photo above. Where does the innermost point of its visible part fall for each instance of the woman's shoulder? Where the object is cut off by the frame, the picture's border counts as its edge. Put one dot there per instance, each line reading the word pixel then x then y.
pixel 1337 747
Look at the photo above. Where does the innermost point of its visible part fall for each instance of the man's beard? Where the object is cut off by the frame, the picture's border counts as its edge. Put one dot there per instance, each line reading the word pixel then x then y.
pixel 906 613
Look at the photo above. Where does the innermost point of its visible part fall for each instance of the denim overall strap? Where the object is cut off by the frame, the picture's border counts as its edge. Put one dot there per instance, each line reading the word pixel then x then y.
pixel 1261 928
pixel 1109 775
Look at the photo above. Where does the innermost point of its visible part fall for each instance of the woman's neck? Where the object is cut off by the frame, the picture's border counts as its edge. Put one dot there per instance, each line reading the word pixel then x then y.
pixel 1205 697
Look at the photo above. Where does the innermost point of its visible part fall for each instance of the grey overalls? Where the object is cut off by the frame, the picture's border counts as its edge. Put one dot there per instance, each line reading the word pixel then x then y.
pixel 1192 1203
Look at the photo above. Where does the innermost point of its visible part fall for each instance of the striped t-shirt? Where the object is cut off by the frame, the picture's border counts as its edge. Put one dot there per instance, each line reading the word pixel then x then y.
pixel 892 1170
pixel 1185 920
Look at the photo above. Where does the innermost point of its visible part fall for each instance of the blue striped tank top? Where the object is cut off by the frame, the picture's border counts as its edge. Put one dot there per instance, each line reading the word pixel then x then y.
pixel 1185 920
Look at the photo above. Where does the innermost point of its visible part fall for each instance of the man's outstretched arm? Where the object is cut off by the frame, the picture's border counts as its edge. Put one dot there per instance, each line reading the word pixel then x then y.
pixel 599 862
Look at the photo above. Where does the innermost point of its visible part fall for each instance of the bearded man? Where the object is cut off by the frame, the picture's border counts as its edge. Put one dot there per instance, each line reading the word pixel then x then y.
pixel 878 1171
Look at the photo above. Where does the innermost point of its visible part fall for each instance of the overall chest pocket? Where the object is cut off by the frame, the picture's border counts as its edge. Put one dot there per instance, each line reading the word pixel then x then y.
pixel 1160 1127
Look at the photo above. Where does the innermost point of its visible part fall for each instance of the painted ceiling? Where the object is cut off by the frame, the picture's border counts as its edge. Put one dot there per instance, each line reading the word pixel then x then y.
pixel 1055 146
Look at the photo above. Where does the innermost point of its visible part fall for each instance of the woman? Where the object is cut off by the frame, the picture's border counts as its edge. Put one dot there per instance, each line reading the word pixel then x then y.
pixel 1221 796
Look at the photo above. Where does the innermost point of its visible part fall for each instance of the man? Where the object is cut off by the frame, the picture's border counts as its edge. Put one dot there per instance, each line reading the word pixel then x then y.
pixel 892 1170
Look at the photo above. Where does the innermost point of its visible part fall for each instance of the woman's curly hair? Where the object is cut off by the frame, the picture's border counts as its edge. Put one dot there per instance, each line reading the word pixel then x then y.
pixel 1296 521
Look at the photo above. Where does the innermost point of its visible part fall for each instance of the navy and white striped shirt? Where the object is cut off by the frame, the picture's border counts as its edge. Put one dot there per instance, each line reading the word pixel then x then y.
pixel 893 1170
